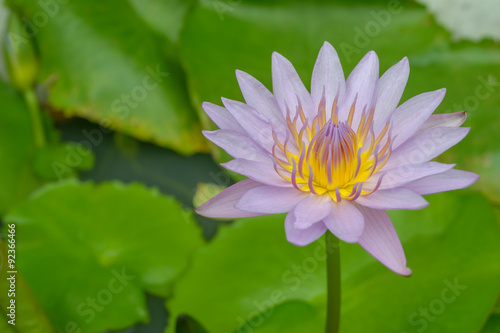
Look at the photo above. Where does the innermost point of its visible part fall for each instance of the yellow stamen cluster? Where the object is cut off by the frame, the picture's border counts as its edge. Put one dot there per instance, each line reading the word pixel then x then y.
pixel 326 155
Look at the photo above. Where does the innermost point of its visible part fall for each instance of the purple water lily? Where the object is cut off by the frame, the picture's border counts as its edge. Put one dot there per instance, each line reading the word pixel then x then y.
pixel 338 157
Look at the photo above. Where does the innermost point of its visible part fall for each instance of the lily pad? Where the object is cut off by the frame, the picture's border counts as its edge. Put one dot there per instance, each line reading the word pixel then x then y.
pixel 104 63
pixel 27 315
pixel 89 251
pixel 250 269
pixel 492 325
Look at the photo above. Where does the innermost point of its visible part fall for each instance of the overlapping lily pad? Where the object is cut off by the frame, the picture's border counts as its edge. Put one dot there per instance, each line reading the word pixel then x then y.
pixel 89 251
pixel 102 61
pixel 250 270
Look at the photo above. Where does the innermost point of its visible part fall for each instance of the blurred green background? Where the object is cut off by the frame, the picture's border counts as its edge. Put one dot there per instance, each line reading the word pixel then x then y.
pixel 101 155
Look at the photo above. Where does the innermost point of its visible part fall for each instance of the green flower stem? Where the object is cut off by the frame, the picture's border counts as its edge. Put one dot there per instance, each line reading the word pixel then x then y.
pixel 36 120
pixel 333 283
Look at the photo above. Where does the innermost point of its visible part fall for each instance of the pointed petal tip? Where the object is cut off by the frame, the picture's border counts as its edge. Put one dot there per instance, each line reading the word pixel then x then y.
pixel 208 133
pixel 278 59
pixel 405 63
pixel 201 209
pixel 206 105
pixel 328 51
pixel 406 272
pixel 241 75
pixel 464 114
pixel 370 59
pixel 372 55
pixel 422 205
pixel 327 47
pixel 474 178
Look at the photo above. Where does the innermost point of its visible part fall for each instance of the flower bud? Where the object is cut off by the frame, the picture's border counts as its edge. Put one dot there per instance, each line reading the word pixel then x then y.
pixel 20 55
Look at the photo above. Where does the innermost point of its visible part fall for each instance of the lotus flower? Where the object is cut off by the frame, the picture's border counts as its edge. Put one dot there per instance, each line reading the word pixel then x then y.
pixel 338 157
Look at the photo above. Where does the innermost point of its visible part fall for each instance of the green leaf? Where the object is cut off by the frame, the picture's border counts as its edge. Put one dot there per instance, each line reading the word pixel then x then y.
pixel 249 268
pixel 6 327
pixel 496 309
pixel 62 161
pixel 166 17
pixel 104 63
pixel 492 325
pixel 124 158
pixel 17 178
pixel 121 157
pixel 28 317
pixel 186 324
pixel 292 316
pixel 88 251
pixel 450 246
pixel 247 34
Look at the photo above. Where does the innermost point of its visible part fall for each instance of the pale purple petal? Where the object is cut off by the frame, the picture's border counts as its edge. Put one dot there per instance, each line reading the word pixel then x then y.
pixel 222 205
pixel 447 181
pixel 254 124
pixel 406 173
pixel 412 114
pixel 398 198
pixel 270 199
pixel 328 78
pixel 261 99
pixel 302 237
pixel 311 209
pixel 238 145
pixel 388 92
pixel 380 239
pixel 288 88
pixel 426 145
pixel 360 86
pixel 345 221
pixel 221 117
pixel 258 171
pixel 454 119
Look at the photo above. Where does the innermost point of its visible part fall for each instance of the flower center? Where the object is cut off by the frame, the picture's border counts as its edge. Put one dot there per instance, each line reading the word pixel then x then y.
pixel 333 156
pixel 326 156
